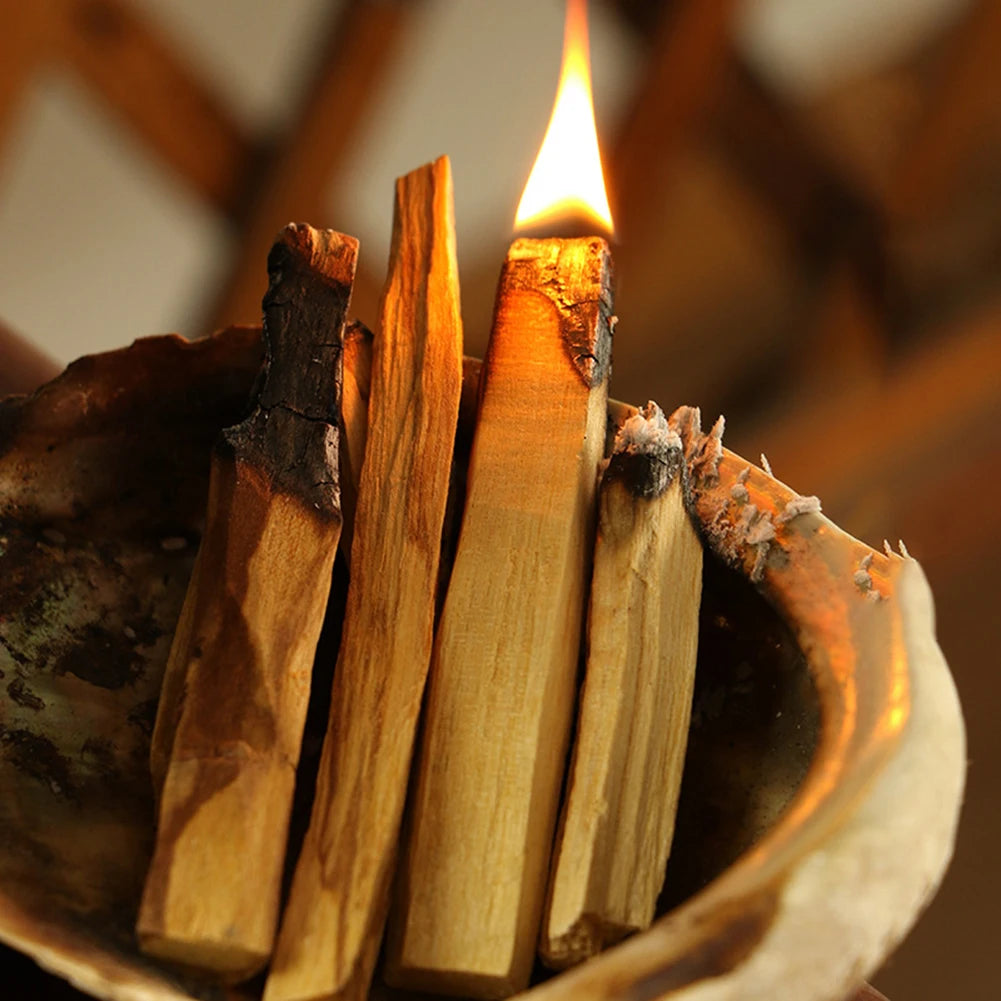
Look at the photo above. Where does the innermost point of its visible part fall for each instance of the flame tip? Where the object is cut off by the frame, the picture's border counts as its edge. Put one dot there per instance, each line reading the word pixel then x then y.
pixel 567 179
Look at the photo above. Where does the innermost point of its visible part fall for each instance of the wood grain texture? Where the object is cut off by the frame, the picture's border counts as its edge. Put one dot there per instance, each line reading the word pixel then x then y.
pixel 355 390
pixel 332 925
pixel 503 676
pixel 618 815
pixel 248 631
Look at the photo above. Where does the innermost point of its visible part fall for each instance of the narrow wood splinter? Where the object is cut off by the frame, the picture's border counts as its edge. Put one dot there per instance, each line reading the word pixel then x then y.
pixel 243 651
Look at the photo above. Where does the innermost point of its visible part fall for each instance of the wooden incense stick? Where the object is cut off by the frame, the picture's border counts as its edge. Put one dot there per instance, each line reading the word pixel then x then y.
pixel 332 925
pixel 356 376
pixel 503 677
pixel 622 793
pixel 249 629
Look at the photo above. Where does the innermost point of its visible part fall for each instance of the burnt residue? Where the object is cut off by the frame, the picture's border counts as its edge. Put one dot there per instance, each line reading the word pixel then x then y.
pixel 39 758
pixel 100 656
pixel 143 630
pixel 12 651
pixel 143 716
pixel 644 474
pixel 646 455
pixel 730 940
pixel 576 276
pixel 99 755
pixel 292 435
pixel 20 693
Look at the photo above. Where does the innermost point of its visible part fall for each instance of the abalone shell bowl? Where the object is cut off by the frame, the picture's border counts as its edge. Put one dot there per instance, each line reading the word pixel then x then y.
pixel 825 762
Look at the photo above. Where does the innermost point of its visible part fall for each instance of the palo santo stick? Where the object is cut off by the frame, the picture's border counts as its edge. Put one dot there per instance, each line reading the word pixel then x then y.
pixel 618 815
pixel 503 677
pixel 356 370
pixel 250 628
pixel 332 925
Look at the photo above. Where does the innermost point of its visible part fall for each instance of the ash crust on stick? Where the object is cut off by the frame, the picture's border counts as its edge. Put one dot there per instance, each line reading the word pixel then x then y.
pixel 300 381
pixel 647 453
pixel 563 271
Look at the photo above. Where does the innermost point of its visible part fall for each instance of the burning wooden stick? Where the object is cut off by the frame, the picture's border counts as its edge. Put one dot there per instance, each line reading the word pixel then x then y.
pixel 503 678
pixel 618 818
pixel 333 923
pixel 249 630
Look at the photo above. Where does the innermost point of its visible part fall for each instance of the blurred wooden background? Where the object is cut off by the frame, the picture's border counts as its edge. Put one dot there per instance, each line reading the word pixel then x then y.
pixel 808 207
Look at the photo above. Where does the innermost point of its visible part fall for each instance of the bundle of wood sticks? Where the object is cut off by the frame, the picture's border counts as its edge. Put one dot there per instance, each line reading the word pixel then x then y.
pixel 565 605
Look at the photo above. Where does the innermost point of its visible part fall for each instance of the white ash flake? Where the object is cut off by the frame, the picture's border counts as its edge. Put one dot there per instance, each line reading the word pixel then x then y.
pixel 763 530
pixel 796 506
pixel 887 548
pixel 766 465
pixel 756 529
pixel 647 432
pixel 739 493
pixel 862 579
pixel 743 474
pixel 714 444
pixel 903 550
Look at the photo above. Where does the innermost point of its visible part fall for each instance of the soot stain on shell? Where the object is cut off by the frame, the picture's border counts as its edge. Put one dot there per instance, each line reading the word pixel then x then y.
pixel 39 758
pixel 19 691
pixel 143 716
pixel 101 657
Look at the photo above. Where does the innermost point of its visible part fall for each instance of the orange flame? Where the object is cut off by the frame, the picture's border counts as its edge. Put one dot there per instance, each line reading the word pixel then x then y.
pixel 566 179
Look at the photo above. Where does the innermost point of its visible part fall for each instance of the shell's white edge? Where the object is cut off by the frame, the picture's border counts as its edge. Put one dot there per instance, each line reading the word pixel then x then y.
pixel 843 905
pixel 854 898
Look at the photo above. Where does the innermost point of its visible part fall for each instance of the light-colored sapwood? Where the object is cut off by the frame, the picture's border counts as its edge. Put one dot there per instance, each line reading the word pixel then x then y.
pixel 333 923
pixel 618 814
pixel 247 636
pixel 503 677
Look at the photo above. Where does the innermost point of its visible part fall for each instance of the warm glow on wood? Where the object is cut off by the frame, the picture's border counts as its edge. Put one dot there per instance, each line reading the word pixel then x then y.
pixel 566 179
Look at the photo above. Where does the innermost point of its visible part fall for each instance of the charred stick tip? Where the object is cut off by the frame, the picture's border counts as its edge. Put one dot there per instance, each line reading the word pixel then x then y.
pixel 647 453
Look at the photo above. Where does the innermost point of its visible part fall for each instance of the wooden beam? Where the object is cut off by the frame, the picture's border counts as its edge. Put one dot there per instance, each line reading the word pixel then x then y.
pixel 949 385
pixel 126 59
pixel 953 125
pixel 681 82
pixel 26 32
pixel 362 43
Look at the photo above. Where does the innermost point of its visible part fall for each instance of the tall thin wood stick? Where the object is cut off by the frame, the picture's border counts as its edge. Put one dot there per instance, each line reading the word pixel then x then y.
pixel 504 673
pixel 333 923
pixel 622 793
pixel 249 630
